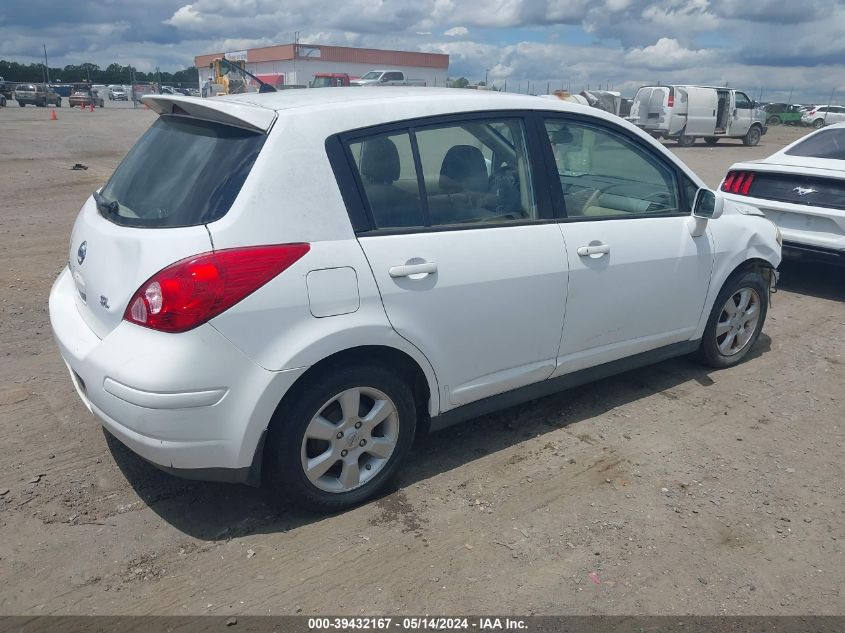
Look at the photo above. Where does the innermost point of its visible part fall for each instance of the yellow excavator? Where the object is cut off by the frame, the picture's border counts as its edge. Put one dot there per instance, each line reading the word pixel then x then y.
pixel 232 77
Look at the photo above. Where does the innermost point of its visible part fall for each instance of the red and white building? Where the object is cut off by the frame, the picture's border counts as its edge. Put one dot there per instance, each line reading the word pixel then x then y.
pixel 287 64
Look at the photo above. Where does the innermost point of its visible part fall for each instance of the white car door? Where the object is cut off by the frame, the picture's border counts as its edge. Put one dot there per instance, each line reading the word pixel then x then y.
pixel 637 277
pixel 468 270
pixel 701 111
pixel 741 115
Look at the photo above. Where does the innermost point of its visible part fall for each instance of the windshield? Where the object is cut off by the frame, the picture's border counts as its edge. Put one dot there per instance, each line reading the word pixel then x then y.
pixel 372 75
pixel 182 172
pixel 826 144
pixel 26 87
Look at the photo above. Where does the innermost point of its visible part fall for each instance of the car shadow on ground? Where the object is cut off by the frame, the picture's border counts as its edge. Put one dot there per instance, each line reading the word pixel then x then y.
pixel 821 280
pixel 212 511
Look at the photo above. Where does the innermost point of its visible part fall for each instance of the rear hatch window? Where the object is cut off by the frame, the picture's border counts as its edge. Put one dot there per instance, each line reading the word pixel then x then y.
pixel 826 144
pixel 182 172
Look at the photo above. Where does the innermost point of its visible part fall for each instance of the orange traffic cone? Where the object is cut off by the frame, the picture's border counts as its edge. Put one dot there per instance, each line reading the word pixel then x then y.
pixel 53 116
pixel 91 109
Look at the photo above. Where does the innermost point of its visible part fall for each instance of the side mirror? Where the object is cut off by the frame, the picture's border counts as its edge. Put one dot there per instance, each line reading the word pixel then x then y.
pixel 708 204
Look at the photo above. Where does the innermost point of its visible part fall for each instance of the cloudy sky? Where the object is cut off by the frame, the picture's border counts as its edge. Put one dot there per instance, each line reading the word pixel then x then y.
pixel 773 46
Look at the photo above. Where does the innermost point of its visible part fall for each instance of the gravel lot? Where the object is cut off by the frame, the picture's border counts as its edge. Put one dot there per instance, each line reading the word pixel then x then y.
pixel 666 490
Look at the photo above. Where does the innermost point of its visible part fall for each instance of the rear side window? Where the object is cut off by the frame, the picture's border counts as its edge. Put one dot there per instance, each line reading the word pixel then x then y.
pixel 182 172
pixel 826 144
pixel 466 172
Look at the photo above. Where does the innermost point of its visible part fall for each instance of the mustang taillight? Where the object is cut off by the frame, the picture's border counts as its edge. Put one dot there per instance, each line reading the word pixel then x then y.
pixel 738 182
pixel 192 291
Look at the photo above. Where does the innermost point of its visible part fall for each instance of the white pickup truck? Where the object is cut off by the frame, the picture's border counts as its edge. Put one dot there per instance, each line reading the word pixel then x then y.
pixel 386 78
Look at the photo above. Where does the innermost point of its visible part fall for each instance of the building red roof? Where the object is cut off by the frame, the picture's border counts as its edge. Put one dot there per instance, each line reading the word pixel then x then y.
pixel 307 52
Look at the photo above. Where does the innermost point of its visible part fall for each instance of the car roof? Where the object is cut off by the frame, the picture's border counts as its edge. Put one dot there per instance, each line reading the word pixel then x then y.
pixel 433 100
pixel 374 104
pixel 256 109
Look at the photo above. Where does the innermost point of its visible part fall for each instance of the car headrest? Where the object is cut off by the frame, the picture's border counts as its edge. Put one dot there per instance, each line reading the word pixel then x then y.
pixel 380 161
pixel 464 168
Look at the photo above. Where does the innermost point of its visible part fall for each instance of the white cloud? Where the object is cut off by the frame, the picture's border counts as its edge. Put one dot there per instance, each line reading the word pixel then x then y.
pixel 457 31
pixel 667 53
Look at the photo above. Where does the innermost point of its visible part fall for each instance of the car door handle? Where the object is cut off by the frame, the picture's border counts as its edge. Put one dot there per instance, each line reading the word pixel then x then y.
pixel 597 249
pixel 406 270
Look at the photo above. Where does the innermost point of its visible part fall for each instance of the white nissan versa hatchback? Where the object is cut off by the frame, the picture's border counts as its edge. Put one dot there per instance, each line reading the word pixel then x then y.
pixel 287 286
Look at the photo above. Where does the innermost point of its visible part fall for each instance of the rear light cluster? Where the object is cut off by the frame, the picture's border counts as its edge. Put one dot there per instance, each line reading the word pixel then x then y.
pixel 738 182
pixel 671 101
pixel 192 291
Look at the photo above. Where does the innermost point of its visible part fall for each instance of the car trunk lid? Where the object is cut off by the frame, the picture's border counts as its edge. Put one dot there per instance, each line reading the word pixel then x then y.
pixel 181 175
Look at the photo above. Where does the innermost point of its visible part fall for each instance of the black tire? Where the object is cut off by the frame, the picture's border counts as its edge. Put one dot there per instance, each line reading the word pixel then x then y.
pixel 752 137
pixel 818 123
pixel 2 101
pixel 709 352
pixel 59 102
pixel 102 103
pixel 283 451
pixel 711 140
pixel 774 120
pixel 21 104
pixel 686 141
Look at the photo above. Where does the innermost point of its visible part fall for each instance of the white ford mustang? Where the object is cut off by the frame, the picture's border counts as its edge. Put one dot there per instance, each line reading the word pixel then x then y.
pixel 801 188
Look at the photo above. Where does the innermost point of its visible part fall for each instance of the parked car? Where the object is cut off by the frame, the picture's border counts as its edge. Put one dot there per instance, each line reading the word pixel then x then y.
pixel 386 78
pixel 685 113
pixel 36 94
pixel 118 93
pixel 84 97
pixel 416 277
pixel 783 113
pixel 4 90
pixel 820 116
pixel 801 188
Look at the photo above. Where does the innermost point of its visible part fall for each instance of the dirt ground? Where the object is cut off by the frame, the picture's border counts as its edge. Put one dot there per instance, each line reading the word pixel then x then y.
pixel 666 490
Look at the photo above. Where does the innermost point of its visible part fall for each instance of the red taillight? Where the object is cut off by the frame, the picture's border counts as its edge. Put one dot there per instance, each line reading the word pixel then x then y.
pixel 671 101
pixel 738 182
pixel 192 291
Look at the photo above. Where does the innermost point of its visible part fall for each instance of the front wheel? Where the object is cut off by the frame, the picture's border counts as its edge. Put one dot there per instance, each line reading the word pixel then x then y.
pixel 58 103
pixel 752 137
pixel 736 320
pixel 341 438
pixel 775 120
pixel 818 123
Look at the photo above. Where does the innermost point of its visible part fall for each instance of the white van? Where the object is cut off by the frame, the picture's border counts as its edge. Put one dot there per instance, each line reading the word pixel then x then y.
pixel 686 113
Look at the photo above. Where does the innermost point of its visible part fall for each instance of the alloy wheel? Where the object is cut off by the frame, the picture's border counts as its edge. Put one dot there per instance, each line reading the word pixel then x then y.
pixel 737 321
pixel 350 439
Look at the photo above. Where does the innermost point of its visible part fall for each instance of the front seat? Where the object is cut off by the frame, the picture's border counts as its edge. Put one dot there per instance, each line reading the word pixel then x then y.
pixel 380 168
pixel 464 170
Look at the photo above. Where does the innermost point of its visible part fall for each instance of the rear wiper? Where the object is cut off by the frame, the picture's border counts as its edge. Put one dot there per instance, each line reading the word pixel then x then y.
pixel 110 207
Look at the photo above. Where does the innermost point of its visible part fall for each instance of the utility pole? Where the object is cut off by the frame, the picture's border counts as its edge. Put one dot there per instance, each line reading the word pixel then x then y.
pixel 486 70
pixel 46 65
pixel 295 54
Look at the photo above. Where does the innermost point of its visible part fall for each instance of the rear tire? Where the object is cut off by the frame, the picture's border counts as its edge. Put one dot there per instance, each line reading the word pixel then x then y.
pixel 59 102
pixel 818 123
pixel 752 137
pixel 21 104
pixel 775 120
pixel 686 141
pixel 711 140
pixel 736 320
pixel 350 460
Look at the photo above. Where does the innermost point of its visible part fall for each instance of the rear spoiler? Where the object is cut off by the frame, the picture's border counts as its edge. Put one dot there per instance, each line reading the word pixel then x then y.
pixel 217 109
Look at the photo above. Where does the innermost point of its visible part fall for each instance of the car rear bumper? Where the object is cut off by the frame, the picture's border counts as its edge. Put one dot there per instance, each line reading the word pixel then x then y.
pixel 804 228
pixel 190 403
